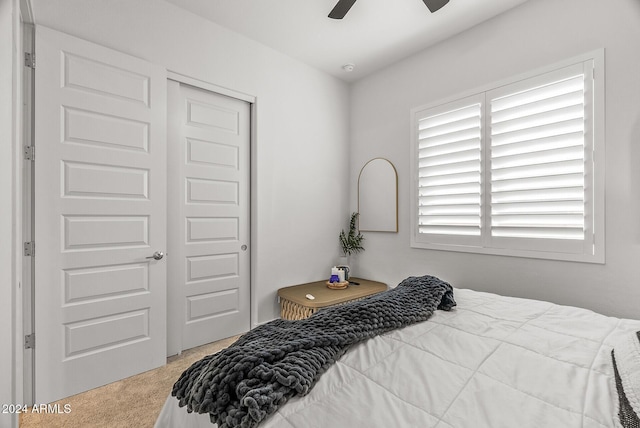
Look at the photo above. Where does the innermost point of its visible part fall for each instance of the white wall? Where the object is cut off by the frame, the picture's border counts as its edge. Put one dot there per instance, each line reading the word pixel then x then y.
pixel 536 34
pixel 8 31
pixel 302 125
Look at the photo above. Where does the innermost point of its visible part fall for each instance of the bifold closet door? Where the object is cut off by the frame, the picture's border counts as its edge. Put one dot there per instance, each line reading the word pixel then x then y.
pixel 208 216
pixel 100 215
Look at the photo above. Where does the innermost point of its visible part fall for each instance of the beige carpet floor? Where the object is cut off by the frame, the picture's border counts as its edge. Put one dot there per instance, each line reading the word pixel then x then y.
pixel 132 402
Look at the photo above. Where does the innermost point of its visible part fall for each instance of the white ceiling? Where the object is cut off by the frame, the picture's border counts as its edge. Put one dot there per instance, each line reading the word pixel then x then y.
pixel 374 34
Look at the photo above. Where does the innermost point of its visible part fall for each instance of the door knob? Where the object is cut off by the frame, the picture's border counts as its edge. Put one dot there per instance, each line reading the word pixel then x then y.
pixel 158 255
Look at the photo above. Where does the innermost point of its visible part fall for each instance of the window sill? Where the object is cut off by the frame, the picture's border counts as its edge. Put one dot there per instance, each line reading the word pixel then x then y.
pixel 598 257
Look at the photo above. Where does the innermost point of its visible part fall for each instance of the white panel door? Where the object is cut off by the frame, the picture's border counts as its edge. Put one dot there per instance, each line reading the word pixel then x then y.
pixel 208 148
pixel 100 191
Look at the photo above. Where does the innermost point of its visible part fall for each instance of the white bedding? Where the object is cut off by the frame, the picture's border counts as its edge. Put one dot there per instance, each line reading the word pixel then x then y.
pixel 493 361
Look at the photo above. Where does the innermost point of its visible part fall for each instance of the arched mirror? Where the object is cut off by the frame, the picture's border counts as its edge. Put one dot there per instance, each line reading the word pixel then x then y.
pixel 378 197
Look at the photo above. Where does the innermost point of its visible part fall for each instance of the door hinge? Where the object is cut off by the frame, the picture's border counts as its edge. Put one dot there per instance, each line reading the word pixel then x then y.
pixel 30 341
pixel 30 248
pixel 30 60
pixel 29 153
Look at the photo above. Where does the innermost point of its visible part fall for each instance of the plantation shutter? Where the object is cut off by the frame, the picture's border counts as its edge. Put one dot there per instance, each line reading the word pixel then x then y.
pixel 449 155
pixel 540 161
pixel 512 170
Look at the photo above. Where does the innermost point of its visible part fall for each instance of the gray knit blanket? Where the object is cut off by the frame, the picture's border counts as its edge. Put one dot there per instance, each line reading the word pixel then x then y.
pixel 245 383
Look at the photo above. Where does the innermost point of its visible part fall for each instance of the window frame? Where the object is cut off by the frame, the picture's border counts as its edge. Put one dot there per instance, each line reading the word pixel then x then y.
pixel 591 249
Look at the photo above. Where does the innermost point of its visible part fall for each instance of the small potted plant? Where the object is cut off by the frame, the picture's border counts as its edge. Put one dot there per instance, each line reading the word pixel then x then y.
pixel 351 242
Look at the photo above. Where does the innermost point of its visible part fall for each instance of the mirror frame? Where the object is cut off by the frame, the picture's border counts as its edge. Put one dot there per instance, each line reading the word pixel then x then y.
pixel 392 198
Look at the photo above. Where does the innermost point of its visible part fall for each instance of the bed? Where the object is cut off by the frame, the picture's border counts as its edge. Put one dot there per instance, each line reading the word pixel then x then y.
pixel 492 361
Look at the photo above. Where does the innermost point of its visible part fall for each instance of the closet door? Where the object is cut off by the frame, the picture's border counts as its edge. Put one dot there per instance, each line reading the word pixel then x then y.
pixel 100 202
pixel 208 147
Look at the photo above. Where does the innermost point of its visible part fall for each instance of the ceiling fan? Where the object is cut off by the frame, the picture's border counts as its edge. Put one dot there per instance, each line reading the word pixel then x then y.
pixel 343 6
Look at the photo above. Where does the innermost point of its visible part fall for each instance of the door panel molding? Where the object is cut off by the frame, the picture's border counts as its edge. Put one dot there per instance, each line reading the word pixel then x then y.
pixel 100 210
pixel 209 286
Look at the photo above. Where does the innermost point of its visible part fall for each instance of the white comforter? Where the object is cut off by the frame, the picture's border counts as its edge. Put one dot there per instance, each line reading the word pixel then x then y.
pixel 494 361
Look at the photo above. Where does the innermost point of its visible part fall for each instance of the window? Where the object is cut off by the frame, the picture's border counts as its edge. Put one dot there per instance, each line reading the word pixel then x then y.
pixel 516 169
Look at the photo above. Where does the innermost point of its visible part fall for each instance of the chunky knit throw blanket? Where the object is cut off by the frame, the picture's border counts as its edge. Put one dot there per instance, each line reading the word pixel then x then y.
pixel 243 384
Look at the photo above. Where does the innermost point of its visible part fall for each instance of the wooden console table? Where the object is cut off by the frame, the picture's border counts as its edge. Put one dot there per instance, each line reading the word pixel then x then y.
pixel 294 304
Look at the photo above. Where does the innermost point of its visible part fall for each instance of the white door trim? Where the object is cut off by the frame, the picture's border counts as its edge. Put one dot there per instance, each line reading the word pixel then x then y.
pixel 27 225
pixel 253 187
pixel 201 84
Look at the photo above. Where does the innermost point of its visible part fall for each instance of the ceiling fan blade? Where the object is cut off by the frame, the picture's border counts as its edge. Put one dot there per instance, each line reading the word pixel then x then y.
pixel 435 5
pixel 341 8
